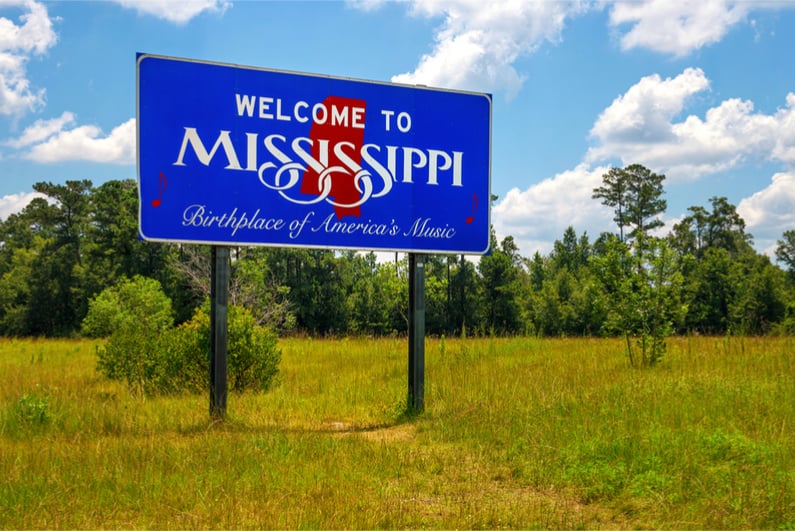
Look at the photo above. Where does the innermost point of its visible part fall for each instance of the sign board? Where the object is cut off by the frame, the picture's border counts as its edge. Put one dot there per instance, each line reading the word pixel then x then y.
pixel 232 155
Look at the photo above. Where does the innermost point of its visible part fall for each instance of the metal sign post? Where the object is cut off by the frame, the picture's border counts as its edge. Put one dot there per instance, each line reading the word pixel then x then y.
pixel 219 297
pixel 416 397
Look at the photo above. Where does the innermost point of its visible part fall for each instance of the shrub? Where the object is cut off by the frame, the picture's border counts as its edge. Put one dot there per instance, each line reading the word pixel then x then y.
pixel 137 303
pixel 253 359
pixel 152 356
pixel 133 314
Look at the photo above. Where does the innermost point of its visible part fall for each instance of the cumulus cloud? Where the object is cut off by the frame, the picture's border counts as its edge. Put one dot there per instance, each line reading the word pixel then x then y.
pixel 677 27
pixel 680 27
pixel 770 211
pixel 539 215
pixel 42 130
pixel 178 12
pixel 33 35
pixel 645 111
pixel 640 126
pixel 48 142
pixel 478 42
pixel 14 203
pixel 784 149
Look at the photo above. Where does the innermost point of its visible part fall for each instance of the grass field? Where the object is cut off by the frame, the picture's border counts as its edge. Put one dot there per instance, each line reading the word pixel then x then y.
pixel 517 433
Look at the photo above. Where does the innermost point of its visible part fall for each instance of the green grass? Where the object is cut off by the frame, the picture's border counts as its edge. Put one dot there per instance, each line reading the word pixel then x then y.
pixel 517 433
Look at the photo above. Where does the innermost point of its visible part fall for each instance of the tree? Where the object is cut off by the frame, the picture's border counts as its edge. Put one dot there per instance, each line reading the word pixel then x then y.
pixel 613 194
pixel 726 228
pixel 720 228
pixel 708 292
pixel 785 251
pixel 501 309
pixel 644 293
pixel 689 236
pixel 759 298
pixel 138 304
pixel 464 287
pixel 635 193
pixel 58 298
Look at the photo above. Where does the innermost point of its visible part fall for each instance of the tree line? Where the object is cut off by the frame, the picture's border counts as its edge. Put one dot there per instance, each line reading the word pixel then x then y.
pixel 75 240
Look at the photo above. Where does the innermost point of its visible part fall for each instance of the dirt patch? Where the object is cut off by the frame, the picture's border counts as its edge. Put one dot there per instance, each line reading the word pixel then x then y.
pixel 378 433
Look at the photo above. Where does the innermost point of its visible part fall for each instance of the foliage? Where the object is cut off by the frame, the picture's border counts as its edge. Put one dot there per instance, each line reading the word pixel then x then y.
pixel 253 358
pixel 641 279
pixel 152 357
pixel 134 314
pixel 32 410
pixel 643 291
pixel 785 251
pixel 137 303
pixel 75 240
pixel 635 194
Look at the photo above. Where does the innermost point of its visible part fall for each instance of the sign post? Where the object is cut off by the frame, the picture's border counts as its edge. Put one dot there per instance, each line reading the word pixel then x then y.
pixel 235 155
pixel 416 396
pixel 219 297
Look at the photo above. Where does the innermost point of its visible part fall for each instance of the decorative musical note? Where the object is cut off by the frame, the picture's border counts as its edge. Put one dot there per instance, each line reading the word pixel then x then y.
pixel 161 185
pixel 471 218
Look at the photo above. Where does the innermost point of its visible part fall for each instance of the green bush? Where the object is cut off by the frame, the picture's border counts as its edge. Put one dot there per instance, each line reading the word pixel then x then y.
pixel 153 357
pixel 133 304
pixel 133 314
pixel 253 359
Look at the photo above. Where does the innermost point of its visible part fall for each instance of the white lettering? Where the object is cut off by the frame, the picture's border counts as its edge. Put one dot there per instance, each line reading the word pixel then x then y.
pixel 192 137
pixel 387 118
pixel 298 116
pixel 264 106
pixel 422 228
pixel 404 122
pixel 409 164
pixel 316 115
pixel 279 115
pixel 280 163
pixel 245 105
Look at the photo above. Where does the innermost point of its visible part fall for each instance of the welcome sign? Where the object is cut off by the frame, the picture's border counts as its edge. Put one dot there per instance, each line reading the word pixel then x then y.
pixel 239 155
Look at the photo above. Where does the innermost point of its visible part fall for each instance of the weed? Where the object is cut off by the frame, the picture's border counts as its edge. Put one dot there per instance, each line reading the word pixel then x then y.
pixel 32 409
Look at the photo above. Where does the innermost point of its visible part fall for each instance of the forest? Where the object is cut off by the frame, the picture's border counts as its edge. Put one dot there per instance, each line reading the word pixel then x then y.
pixel 704 277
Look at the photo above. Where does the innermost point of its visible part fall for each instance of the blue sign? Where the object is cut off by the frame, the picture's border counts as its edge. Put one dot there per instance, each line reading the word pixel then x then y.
pixel 238 155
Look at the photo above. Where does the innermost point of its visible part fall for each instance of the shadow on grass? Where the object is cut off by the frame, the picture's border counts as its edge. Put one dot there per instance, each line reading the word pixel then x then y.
pixel 405 418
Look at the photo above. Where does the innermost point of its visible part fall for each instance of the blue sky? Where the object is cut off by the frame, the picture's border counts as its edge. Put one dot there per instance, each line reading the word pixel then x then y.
pixel 702 91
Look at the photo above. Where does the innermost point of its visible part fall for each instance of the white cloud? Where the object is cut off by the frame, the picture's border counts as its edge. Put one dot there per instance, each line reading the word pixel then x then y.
pixel 18 42
pixel 677 27
pixel 639 127
pixel 42 130
pixel 784 149
pixel 86 143
pixel 539 215
pixel 14 203
pixel 178 12
pixel 771 211
pixel 478 43
pixel 645 111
